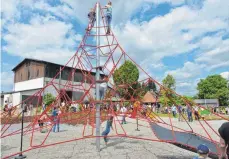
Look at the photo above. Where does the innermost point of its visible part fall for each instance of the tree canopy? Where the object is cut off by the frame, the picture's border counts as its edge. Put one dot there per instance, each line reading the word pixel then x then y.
pixel 214 87
pixel 151 86
pixel 169 82
pixel 167 97
pixel 48 98
pixel 127 74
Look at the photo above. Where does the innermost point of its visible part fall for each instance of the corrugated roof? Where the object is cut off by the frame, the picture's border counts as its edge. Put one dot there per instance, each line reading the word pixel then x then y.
pixel 47 62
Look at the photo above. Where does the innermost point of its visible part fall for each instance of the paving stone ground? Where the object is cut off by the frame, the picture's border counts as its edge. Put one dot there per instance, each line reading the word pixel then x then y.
pixel 118 147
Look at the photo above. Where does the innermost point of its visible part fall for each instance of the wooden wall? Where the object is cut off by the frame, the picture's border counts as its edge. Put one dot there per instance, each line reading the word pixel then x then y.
pixel 29 70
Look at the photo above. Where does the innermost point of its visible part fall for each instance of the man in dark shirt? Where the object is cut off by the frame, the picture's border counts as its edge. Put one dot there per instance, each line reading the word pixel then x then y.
pixel 224 140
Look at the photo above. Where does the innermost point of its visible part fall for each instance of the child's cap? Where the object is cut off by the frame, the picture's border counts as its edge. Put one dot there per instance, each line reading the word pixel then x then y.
pixel 202 149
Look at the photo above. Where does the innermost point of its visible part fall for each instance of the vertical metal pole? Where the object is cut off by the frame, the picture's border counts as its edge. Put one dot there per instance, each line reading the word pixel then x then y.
pixel 20 156
pixel 60 84
pixel 97 77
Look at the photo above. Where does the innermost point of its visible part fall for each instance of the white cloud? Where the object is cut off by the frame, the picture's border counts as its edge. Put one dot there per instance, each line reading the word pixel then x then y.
pixel 217 57
pixel 188 71
pixel 225 75
pixel 9 9
pixel 173 2
pixel 63 10
pixel 45 38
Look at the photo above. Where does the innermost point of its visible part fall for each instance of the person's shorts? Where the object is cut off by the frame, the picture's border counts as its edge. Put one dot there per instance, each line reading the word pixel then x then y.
pixel 108 19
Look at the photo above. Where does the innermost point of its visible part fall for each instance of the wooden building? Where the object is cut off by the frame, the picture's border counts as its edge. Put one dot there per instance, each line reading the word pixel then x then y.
pixel 31 75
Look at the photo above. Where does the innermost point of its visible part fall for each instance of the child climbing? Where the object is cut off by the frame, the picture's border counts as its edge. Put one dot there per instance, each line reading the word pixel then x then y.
pixel 108 128
pixel 41 121
pixel 91 15
pixel 108 17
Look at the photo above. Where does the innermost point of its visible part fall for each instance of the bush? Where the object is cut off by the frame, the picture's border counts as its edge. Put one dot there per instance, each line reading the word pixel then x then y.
pixel 48 99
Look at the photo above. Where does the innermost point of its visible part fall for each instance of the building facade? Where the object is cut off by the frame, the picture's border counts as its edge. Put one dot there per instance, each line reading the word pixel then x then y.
pixel 207 102
pixel 32 75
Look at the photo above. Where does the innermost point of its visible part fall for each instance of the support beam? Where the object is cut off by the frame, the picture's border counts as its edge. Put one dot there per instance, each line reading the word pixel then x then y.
pixel 97 77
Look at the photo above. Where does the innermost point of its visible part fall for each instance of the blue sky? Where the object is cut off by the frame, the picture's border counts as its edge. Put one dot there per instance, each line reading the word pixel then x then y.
pixel 186 38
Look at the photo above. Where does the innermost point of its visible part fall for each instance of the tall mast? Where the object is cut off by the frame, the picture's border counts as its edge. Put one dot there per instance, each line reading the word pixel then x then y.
pixel 97 77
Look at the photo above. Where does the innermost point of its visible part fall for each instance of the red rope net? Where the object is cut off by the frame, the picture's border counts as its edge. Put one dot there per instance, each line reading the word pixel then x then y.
pixel 81 64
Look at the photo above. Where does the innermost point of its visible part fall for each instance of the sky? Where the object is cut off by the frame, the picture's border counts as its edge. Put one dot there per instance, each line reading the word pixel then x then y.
pixel 188 39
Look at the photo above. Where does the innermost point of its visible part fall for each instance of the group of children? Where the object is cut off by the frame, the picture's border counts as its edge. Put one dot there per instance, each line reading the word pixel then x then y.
pixel 108 17
pixel 44 125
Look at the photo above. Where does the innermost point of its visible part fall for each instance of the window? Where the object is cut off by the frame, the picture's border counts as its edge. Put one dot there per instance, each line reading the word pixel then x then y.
pixel 65 74
pixel 51 70
pixel 37 72
pixel 78 77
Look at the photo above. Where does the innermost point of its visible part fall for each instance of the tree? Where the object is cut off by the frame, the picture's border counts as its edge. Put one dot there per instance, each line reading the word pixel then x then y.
pixel 127 74
pixel 151 86
pixel 48 99
pixel 214 87
pixel 166 96
pixel 169 82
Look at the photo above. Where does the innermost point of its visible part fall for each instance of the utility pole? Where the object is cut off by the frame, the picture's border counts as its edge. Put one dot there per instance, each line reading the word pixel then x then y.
pixel 97 77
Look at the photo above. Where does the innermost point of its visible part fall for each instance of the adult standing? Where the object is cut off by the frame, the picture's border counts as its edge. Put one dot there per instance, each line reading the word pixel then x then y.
pixel 174 110
pixel 179 113
pixel 56 119
pixel 224 140
pixel 196 113
pixel 123 111
pixel 10 107
pixel 43 106
pixel 189 113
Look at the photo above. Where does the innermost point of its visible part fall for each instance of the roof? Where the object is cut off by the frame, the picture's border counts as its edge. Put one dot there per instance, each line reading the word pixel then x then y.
pixel 45 62
pixel 29 59
pixel 206 101
pixel 149 98
pixel 36 60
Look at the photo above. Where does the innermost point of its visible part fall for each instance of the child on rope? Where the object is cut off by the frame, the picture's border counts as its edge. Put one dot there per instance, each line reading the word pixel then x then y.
pixel 92 18
pixel 203 151
pixel 108 128
pixel 108 16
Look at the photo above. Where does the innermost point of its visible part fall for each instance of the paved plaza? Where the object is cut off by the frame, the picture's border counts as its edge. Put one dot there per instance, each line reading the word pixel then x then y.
pixel 118 147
